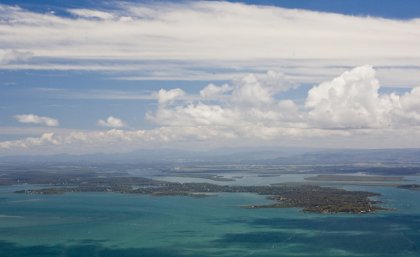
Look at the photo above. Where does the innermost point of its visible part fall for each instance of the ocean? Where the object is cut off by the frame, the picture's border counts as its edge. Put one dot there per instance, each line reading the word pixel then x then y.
pixel 110 224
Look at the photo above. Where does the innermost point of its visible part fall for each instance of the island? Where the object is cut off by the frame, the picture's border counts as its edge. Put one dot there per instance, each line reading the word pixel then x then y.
pixel 310 198
pixel 199 175
pixel 354 178
pixel 412 187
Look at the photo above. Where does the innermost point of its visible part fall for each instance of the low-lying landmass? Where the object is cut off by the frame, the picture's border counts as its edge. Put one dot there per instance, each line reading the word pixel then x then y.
pixel 268 175
pixel 413 187
pixel 310 198
pixel 355 178
pixel 200 176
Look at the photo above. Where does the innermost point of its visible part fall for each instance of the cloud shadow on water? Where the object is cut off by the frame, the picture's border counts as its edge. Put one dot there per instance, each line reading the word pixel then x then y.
pixel 394 235
pixel 88 249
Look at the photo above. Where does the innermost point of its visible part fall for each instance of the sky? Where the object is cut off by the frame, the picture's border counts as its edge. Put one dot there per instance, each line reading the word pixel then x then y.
pixel 84 76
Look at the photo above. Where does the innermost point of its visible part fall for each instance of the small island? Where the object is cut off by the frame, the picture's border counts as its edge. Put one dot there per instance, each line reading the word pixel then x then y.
pixel 412 187
pixel 354 178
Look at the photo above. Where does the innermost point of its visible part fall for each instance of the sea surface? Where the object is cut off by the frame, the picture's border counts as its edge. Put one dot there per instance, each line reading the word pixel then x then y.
pixel 110 224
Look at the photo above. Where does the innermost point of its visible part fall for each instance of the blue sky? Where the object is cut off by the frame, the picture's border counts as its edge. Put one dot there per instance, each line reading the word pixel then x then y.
pixel 404 9
pixel 153 74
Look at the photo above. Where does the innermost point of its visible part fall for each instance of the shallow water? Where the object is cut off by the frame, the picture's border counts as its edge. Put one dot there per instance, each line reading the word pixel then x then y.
pixel 108 224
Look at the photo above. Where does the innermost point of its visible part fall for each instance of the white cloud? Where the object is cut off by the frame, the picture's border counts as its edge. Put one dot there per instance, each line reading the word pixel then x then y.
pixel 249 107
pixel 168 96
pixel 276 81
pixel 407 108
pixel 111 122
pixel 249 91
pixel 44 139
pixel 14 56
pixel 231 35
pixel 349 109
pixel 86 13
pixel 35 119
pixel 248 103
pixel 212 90
pixel 351 100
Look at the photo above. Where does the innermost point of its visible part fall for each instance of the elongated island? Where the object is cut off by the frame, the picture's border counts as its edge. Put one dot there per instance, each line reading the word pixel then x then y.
pixel 310 198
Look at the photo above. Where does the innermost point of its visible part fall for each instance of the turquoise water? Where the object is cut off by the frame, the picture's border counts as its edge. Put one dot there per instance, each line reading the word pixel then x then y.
pixel 108 224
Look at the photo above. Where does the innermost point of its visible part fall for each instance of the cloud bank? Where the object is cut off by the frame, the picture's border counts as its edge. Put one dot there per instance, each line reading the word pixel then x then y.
pixel 351 101
pixel 194 37
pixel 349 109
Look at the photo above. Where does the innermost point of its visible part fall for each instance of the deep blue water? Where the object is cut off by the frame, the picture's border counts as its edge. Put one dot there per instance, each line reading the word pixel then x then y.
pixel 108 224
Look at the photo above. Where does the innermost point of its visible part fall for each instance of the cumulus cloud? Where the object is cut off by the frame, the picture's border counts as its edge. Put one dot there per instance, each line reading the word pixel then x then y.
pixel 407 108
pixel 239 107
pixel 35 119
pixel 353 101
pixel 212 90
pixel 276 81
pixel 249 91
pixel 349 108
pixel 111 122
pixel 168 96
pixel 252 107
